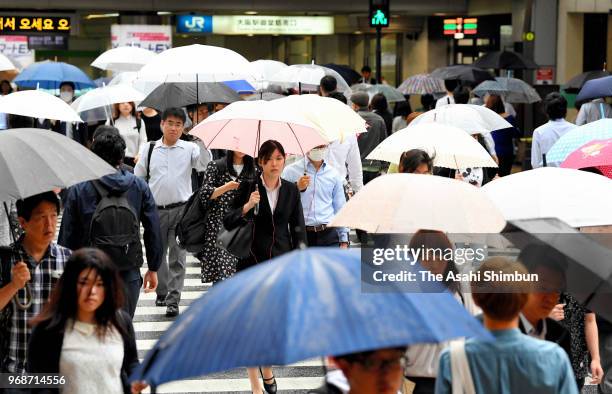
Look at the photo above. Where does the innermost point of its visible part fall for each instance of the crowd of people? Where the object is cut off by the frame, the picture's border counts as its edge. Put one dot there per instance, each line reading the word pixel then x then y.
pixel 68 305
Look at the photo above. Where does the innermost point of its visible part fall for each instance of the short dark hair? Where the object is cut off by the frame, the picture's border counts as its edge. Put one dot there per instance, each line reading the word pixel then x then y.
pixel 555 105
pixel 379 102
pixel 267 149
pixel 192 108
pixel 338 96
pixel 402 108
pixel 68 83
pixel 20 121
pixel 450 84
pixel 357 357
pixel 412 159
pixel 427 101
pixel 495 103
pixel 328 83
pixel 104 129
pixel 3 82
pixel 109 146
pixel 27 205
pixel 461 95
pixel 366 69
pixel 175 113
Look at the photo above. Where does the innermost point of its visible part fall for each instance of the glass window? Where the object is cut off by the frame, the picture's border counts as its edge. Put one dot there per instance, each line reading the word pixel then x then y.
pixel 466 42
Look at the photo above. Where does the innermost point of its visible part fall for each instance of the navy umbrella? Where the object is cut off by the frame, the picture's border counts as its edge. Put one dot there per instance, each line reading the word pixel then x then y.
pixel 505 60
pixel 300 305
pixel 348 74
pixel 596 88
pixel 576 83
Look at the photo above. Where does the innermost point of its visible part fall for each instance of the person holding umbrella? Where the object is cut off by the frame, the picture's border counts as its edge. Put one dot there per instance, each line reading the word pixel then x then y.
pixel 592 111
pixel 545 136
pixel 76 131
pixel 276 210
pixel 450 85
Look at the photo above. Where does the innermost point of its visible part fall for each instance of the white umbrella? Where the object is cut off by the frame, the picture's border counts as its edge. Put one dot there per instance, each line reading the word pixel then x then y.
pixel 123 59
pixel 6 64
pixel 335 119
pixel 405 203
pixel 263 70
pixel 95 104
pixel 310 75
pixel 450 146
pixel 474 119
pixel 37 104
pixel 576 197
pixel 196 63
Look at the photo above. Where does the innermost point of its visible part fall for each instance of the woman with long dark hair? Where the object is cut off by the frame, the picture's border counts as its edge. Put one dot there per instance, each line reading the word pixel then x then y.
pixel 276 210
pixel 82 333
pixel 504 139
pixel 132 130
pixel 222 179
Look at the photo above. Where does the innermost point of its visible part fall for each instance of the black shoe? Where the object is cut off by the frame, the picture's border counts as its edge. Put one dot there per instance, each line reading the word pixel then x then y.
pixel 172 311
pixel 270 388
pixel 160 301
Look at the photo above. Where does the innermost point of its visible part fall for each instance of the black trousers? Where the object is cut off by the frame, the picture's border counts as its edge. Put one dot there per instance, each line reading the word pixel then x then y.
pixel 505 164
pixel 132 282
pixel 327 237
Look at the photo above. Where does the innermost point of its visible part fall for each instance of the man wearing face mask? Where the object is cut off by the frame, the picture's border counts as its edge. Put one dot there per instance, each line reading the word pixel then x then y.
pixel 322 194
pixel 76 131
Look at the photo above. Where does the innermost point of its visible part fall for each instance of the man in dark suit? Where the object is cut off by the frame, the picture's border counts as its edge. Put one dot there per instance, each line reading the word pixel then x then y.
pixel 550 266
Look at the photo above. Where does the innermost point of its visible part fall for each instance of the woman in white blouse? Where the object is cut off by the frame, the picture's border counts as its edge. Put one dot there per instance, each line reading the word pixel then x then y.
pixel 132 129
pixel 82 333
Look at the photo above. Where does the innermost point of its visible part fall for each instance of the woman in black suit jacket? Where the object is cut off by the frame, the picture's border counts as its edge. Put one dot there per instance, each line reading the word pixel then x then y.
pixel 275 207
pixel 84 314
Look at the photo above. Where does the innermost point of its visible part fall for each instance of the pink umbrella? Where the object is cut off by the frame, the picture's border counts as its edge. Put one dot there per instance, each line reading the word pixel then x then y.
pixel 594 154
pixel 244 125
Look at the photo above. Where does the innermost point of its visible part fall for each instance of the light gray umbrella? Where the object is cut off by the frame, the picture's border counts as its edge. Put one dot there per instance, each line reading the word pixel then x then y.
pixel 490 87
pixel 181 94
pixel 391 94
pixel 33 161
pixel 513 90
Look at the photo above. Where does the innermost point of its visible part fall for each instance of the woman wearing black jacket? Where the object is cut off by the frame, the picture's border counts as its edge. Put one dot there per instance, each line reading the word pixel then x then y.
pixel 275 208
pixel 83 334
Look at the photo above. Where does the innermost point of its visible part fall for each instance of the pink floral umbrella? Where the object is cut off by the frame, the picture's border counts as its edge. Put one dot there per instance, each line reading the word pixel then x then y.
pixel 594 154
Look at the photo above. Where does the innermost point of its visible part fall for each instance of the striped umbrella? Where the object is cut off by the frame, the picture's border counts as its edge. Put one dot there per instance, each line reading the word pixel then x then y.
pixel 577 137
pixel 421 84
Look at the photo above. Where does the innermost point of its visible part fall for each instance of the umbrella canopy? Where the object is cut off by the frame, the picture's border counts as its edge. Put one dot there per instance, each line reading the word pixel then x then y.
pixel 578 198
pixel 332 117
pixel 474 119
pixel 576 83
pixel 266 96
pixel 37 104
pixel 588 269
pixel 391 94
pixel 263 70
pixel 308 74
pixel 53 161
pixel 450 146
pixel 180 94
pixel 513 90
pixel 300 305
pixel 95 105
pixel 244 125
pixel 102 81
pixel 505 60
pixel 240 86
pixel 596 88
pixel 6 64
pixel 406 203
pixel 422 84
pixel 599 130
pixel 196 63
pixel 348 74
pixel 49 75
pixel 462 72
pixel 120 59
pixel 597 154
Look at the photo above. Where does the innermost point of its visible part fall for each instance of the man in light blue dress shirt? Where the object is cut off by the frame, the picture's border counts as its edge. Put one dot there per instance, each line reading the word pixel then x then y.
pixel 513 362
pixel 322 194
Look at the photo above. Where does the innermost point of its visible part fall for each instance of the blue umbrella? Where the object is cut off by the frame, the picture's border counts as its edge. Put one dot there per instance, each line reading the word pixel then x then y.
pixel 301 305
pixel 49 75
pixel 575 138
pixel 240 86
pixel 595 88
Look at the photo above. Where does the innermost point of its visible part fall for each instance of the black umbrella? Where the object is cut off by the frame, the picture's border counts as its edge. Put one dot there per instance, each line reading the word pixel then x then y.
pixel 588 273
pixel 576 83
pixel 505 60
pixel 348 74
pixel 462 72
pixel 180 94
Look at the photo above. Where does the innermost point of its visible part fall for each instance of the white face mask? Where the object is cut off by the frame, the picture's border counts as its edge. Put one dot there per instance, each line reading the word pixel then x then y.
pixel 66 96
pixel 317 154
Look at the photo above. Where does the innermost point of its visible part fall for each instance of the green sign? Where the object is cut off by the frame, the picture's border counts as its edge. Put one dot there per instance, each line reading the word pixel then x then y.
pixel 379 13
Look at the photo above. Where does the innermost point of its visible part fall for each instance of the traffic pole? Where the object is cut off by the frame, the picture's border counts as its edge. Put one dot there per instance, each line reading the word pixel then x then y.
pixel 378 55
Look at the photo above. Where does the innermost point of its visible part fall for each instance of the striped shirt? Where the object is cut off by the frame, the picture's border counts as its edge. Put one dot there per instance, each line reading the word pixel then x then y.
pixel 44 276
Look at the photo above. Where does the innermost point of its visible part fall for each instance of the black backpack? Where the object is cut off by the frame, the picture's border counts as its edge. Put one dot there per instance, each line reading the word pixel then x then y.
pixel 115 229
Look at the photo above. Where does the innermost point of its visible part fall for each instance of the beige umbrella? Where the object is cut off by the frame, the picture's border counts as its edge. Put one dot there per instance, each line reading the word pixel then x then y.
pixel 405 203
pixel 450 146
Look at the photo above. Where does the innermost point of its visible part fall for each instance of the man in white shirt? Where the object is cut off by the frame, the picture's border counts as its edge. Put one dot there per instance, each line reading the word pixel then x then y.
pixel 168 171
pixel 545 136
pixel 449 85
pixel 592 111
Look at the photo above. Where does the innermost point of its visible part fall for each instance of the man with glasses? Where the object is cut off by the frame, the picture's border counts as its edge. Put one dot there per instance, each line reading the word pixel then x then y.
pixel 166 165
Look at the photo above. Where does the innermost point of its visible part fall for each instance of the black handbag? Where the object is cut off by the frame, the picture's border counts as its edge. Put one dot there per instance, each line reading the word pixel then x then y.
pixel 238 240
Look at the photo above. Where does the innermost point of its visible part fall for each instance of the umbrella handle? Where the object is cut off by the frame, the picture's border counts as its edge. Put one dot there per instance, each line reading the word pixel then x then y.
pixel 28 302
